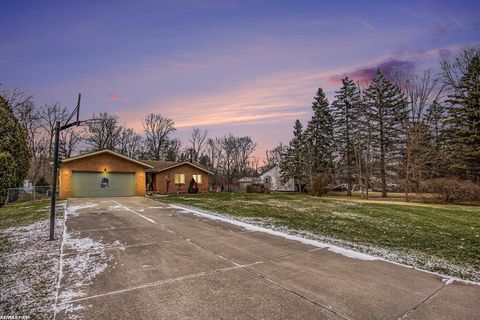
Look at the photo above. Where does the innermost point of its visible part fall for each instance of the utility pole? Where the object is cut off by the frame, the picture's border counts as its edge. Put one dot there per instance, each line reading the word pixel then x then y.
pixel 56 162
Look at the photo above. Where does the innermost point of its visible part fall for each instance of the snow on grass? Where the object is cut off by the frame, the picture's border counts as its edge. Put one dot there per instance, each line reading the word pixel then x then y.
pixel 29 265
pixel 349 249
pixel 278 232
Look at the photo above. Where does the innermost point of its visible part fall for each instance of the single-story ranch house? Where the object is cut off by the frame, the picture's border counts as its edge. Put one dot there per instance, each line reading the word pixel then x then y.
pixel 106 173
pixel 168 177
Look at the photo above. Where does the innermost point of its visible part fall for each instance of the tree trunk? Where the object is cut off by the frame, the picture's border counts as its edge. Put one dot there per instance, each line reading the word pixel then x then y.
pixel 349 169
pixel 382 162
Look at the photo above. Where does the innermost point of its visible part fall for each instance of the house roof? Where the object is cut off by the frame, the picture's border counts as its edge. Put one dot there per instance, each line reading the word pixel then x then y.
pixel 86 155
pixel 275 167
pixel 249 179
pixel 159 166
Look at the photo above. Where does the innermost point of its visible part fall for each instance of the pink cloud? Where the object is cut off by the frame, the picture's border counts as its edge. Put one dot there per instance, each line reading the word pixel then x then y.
pixel 364 75
pixel 112 96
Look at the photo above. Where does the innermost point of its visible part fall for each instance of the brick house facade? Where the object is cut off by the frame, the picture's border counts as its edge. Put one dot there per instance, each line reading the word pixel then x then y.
pixel 83 176
pixel 174 177
pixel 99 162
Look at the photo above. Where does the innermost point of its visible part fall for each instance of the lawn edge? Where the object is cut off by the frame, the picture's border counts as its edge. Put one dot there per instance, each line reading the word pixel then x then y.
pixel 350 253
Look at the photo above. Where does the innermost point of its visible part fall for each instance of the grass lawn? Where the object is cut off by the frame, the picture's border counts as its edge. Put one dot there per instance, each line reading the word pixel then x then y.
pixel 441 238
pixel 24 213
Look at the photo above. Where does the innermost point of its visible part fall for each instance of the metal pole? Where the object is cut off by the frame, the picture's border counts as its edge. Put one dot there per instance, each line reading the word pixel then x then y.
pixel 54 181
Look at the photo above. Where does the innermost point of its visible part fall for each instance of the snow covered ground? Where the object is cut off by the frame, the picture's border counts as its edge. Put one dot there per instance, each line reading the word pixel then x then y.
pixel 38 277
pixel 29 268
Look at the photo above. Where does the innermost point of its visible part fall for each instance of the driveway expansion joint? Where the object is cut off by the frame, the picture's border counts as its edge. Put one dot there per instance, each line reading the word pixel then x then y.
pixel 423 302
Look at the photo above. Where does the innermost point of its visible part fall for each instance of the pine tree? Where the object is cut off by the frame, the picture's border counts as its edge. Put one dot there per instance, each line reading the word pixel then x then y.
pixel 434 154
pixel 13 140
pixel 387 105
pixel 345 113
pixel 435 120
pixel 464 122
pixel 292 164
pixel 7 175
pixel 319 135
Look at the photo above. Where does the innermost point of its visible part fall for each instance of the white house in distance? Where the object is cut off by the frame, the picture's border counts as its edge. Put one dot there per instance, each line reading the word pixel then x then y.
pixel 273 182
pixel 271 179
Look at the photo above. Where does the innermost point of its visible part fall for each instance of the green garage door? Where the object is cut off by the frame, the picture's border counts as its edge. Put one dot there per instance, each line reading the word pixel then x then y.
pixel 89 184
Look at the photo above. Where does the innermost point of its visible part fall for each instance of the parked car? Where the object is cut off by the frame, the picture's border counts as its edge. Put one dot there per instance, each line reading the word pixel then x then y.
pixel 341 187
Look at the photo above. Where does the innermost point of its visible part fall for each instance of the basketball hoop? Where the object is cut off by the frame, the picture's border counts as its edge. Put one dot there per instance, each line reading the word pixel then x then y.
pixel 58 128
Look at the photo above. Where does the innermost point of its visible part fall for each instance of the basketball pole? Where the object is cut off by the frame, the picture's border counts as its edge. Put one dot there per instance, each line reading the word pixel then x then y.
pixel 56 163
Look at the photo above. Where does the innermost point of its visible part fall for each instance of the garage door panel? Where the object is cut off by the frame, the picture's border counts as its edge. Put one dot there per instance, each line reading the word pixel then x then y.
pixel 88 184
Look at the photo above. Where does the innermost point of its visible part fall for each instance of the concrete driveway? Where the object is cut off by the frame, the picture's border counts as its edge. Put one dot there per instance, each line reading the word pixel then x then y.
pixel 134 258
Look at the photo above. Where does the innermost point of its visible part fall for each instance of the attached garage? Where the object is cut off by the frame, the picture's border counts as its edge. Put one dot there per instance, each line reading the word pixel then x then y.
pixel 102 174
pixel 89 184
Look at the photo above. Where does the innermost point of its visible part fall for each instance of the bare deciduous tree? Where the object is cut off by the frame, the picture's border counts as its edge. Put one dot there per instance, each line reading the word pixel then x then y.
pixel 157 129
pixel 103 133
pixel 235 156
pixel 214 153
pixel 173 150
pixel 198 141
pixel 244 149
pixel 69 142
pixel 424 94
pixel 453 71
pixel 275 156
pixel 129 143
pixel 228 145
pixel 50 114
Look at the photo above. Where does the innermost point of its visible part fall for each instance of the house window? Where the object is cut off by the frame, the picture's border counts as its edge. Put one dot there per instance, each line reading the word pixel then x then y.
pixel 197 178
pixel 179 178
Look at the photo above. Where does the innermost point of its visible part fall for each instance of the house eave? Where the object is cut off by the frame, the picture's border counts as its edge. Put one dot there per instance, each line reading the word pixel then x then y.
pixel 153 170
pixel 86 155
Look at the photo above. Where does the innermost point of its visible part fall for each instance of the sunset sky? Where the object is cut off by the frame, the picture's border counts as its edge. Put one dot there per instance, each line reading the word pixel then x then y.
pixel 245 67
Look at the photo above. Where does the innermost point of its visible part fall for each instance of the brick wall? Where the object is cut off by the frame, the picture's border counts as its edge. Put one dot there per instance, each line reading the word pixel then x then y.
pixel 188 171
pixel 98 163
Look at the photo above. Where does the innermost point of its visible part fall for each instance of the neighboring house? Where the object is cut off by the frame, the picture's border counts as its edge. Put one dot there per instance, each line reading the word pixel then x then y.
pixel 273 182
pixel 102 173
pixel 271 179
pixel 28 185
pixel 166 177
pixel 246 181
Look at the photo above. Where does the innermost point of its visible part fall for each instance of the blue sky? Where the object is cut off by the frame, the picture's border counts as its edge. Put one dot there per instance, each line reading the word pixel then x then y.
pixel 246 67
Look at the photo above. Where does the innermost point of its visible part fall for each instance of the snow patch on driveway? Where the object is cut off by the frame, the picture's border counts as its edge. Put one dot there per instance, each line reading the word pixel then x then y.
pixel 85 259
pixel 75 210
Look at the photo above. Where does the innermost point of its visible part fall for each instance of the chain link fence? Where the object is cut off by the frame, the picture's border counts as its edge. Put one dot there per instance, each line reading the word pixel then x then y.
pixel 28 194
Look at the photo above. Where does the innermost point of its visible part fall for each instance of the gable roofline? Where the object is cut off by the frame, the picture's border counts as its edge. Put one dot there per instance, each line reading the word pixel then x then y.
pixel 269 169
pixel 94 153
pixel 182 163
